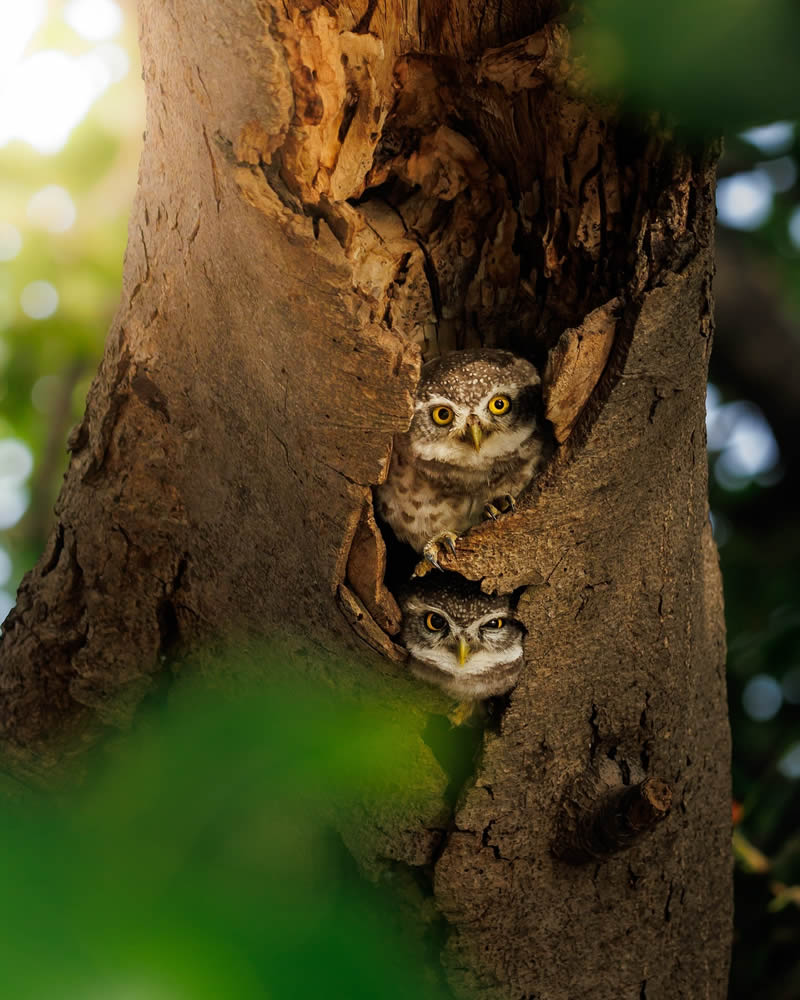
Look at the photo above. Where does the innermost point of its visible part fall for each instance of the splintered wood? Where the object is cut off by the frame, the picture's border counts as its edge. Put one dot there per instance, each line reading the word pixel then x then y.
pixel 575 365
pixel 366 566
pixel 540 59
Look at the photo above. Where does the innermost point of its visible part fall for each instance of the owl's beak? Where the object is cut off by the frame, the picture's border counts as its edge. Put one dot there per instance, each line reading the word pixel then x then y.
pixel 477 435
pixel 463 651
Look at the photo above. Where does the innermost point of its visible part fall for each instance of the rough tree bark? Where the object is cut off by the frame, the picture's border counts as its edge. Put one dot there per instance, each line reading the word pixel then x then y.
pixel 327 192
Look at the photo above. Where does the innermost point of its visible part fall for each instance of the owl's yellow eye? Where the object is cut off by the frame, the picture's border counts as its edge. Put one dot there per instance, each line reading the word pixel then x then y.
pixel 499 405
pixel 434 622
pixel 494 623
pixel 442 415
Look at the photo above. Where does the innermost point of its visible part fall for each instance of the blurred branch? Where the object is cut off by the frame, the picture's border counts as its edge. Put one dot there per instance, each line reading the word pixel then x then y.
pixel 751 860
pixel 784 895
pixel 748 856
pixel 36 523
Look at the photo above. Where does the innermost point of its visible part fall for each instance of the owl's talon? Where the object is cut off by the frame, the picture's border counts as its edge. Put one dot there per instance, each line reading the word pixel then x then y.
pixel 505 505
pixel 433 549
pixel 423 567
pixel 462 712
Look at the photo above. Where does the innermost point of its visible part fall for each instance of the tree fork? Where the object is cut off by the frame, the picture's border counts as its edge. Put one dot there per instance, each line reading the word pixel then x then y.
pixel 328 194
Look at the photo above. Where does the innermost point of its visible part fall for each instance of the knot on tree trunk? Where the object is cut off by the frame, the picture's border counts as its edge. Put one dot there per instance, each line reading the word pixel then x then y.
pixel 598 820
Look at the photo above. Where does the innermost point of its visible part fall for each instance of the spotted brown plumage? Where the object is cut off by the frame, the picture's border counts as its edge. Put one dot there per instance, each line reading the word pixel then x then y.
pixel 475 441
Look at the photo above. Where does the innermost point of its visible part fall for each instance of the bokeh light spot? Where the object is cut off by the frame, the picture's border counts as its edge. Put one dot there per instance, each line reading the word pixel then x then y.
pixel 6 567
pixel 16 464
pixel 751 448
pixel 6 604
pixel 94 20
pixel 791 686
pixel 16 461
pixel 47 94
pixel 744 201
pixel 789 764
pixel 52 209
pixel 18 24
pixel 44 393
pixel 14 501
pixel 10 241
pixel 720 528
pixel 744 438
pixel 782 173
pixel 115 59
pixel 762 697
pixel 39 300
pixel 773 138
pixel 794 227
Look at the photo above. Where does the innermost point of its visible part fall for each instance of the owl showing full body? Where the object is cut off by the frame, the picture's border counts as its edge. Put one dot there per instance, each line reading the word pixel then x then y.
pixel 462 640
pixel 475 441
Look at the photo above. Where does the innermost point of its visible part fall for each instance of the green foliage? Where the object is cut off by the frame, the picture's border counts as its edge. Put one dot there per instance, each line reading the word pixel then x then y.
pixel 199 859
pixel 715 65
pixel 762 581
pixel 46 365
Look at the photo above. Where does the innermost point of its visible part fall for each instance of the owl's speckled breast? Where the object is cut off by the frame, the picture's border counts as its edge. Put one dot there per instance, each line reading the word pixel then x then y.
pixel 423 498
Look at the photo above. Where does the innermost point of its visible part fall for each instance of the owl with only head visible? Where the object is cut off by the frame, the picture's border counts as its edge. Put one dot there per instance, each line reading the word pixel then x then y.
pixel 475 441
pixel 460 639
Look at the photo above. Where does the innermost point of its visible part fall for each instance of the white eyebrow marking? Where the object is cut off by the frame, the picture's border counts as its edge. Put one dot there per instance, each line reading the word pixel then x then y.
pixel 505 615
pixel 434 401
pixel 500 390
pixel 419 607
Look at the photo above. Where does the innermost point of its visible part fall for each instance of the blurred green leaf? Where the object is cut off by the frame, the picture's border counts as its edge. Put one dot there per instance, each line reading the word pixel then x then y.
pixel 715 65
pixel 748 856
pixel 200 860
pixel 785 895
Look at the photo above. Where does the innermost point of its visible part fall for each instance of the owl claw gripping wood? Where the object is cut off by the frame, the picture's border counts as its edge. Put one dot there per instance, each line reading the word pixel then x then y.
pixel 504 505
pixel 432 548
pixel 475 441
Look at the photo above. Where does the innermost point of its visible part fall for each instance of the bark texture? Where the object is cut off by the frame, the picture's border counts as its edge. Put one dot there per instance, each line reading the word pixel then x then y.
pixel 328 193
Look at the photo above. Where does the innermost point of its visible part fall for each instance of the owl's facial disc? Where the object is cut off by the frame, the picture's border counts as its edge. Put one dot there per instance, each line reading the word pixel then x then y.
pixel 472 432
pixel 460 648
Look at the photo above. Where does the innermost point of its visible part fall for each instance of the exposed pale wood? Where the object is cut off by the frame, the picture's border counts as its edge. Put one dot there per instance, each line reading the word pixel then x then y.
pixel 366 567
pixel 575 365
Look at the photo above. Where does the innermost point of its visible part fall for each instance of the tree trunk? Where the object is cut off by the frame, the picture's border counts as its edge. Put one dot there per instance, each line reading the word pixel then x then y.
pixel 327 193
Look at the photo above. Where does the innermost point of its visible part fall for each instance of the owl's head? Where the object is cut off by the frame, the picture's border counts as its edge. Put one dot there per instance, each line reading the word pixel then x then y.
pixel 474 407
pixel 450 625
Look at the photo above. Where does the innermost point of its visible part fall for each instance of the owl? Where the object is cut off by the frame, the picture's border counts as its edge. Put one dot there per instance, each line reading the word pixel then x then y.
pixel 475 441
pixel 460 639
